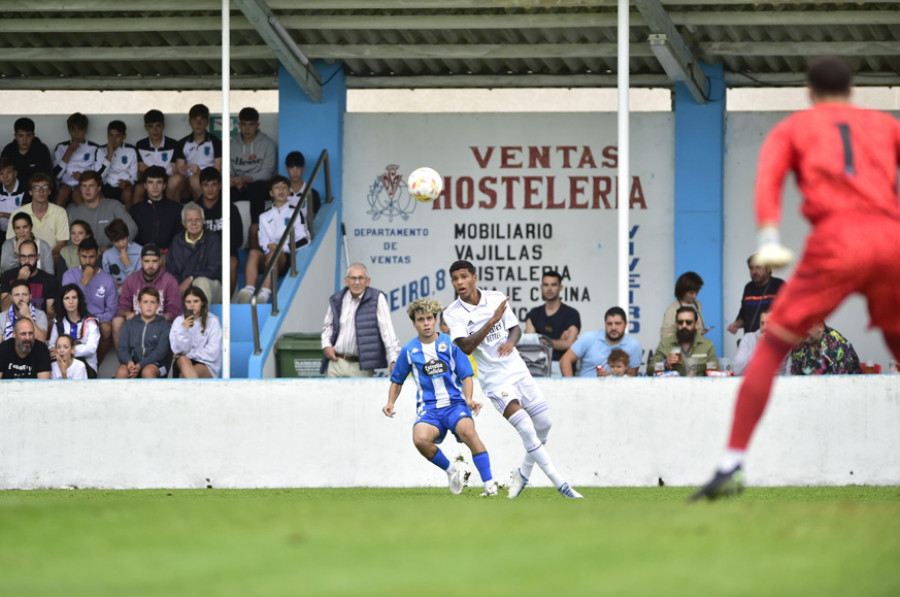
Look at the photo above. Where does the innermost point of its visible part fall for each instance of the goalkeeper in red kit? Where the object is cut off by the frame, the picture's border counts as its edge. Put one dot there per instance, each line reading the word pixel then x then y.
pixel 845 161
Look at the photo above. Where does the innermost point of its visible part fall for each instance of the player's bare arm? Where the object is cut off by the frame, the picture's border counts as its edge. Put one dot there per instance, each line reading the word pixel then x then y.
pixel 394 393
pixel 471 342
pixel 468 386
pixel 507 347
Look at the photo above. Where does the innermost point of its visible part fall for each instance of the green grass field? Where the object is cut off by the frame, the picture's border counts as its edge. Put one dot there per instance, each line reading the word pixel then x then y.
pixel 647 541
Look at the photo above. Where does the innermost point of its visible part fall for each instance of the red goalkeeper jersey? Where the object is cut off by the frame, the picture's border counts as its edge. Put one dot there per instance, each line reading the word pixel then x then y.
pixel 845 160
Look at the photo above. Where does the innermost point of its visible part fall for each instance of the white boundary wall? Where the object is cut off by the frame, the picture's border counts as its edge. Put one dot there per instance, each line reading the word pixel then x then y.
pixel 331 433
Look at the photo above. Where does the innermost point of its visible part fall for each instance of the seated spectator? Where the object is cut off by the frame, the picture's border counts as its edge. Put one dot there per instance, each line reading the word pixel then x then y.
pixel 158 218
pixel 27 152
pixel 272 225
pixel 295 164
pixel 618 362
pixel 49 222
pixel 97 211
pixel 123 258
pixel 252 163
pixel 556 320
pixel 43 286
pixel 593 348
pixel 100 292
pixel 72 158
pixel 12 192
pixel 21 225
pixel 196 338
pixel 195 257
pixel 686 290
pixel 824 351
pixel 684 348
pixel 193 153
pixel 117 164
pixel 21 307
pixel 211 202
pixel 155 149
pixel 66 366
pixel 78 231
pixel 144 343
pixel 22 356
pixel 151 274
pixel 747 347
pixel 74 320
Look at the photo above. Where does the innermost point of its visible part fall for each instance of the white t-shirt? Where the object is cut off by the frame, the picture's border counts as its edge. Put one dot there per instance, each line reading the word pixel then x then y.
pixel 76 370
pixel 465 319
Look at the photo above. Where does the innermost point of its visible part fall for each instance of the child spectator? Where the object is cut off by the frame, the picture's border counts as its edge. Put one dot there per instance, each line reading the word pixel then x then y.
pixel 195 152
pixel 117 164
pixel 196 338
pixel 155 149
pixel 144 343
pixel 272 225
pixel 124 257
pixel 12 192
pixel 618 361
pixel 73 319
pixel 27 152
pixel 78 231
pixel 66 366
pixel 73 157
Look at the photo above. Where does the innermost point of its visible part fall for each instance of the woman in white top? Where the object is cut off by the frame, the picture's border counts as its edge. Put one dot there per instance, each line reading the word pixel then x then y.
pixel 74 320
pixel 196 338
pixel 686 290
pixel 66 366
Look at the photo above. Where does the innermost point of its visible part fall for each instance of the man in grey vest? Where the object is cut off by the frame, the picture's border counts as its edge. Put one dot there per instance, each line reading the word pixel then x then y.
pixel 358 336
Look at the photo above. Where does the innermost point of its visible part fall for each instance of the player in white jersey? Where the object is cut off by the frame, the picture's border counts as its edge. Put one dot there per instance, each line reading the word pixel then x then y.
pixel 443 377
pixel 482 325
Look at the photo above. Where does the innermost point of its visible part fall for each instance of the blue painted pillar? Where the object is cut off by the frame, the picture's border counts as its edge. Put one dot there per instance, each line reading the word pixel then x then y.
pixel 309 127
pixel 699 218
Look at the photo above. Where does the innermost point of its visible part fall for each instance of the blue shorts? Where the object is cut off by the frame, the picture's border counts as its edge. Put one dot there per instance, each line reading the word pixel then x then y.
pixel 445 419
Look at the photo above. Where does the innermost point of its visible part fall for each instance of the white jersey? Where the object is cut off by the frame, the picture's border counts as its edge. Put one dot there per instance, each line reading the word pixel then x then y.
pixel 465 319
pixel 123 165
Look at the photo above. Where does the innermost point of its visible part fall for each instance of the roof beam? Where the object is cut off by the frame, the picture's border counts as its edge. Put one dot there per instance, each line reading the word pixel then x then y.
pixel 674 53
pixel 132 54
pixel 284 47
pixel 132 83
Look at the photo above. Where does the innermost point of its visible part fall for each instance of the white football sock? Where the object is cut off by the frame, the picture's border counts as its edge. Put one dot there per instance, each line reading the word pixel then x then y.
pixel 523 424
pixel 542 424
pixel 731 459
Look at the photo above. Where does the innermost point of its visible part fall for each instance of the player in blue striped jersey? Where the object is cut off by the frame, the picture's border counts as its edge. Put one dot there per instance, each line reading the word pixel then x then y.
pixel 443 377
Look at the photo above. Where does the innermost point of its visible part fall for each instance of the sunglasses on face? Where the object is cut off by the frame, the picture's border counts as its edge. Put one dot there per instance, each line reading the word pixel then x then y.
pixel 684 322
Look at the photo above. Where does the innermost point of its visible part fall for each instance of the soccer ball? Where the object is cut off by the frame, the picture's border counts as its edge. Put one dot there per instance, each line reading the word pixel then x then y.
pixel 424 184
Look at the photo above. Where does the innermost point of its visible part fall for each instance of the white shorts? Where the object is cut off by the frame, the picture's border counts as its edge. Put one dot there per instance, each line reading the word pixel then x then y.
pixel 524 390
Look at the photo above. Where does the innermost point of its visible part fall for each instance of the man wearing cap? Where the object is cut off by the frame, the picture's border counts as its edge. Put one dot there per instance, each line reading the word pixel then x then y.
pixel 151 274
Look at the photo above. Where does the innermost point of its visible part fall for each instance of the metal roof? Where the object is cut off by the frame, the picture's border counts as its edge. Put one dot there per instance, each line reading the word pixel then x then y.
pixel 168 44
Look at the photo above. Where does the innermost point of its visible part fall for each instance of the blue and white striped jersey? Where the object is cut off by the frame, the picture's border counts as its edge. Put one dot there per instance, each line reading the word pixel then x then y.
pixel 438 370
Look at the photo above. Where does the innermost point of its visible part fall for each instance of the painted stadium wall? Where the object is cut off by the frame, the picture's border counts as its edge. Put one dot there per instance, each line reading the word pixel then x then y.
pixel 331 433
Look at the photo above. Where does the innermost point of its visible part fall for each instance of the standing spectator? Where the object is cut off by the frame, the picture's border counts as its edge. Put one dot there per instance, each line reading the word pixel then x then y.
pixel 21 226
pixel 684 348
pixel 50 222
pixel 758 293
pixel 193 153
pixel 123 258
pixel 73 319
pixel 117 164
pixel 211 202
pixel 66 366
pixel 272 225
pixel 196 338
pixel 144 344
pixel 824 351
pixel 68 256
pixel 24 357
pixel 43 286
pixel 686 290
pixel 747 347
pixel 72 158
pixel 593 348
pixel 12 192
pixel 357 335
pixel 97 211
pixel 27 152
pixel 158 218
pixel 151 274
pixel 99 288
pixel 556 320
pixel 21 307
pixel 195 257
pixel 155 149
pixel 252 163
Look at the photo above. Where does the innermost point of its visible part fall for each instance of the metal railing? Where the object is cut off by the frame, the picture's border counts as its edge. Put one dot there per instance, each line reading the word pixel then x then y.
pixel 288 237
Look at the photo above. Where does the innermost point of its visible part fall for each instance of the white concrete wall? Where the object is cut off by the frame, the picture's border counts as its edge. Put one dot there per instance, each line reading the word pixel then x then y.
pixel 323 433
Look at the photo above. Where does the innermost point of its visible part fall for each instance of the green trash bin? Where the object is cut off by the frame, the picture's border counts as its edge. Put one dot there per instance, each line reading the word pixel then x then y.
pixel 299 355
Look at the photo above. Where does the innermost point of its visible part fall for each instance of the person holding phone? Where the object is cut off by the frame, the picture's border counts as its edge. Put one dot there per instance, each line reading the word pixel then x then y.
pixel 196 338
